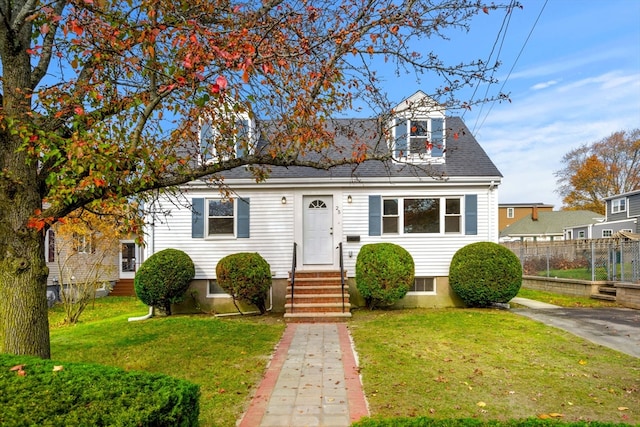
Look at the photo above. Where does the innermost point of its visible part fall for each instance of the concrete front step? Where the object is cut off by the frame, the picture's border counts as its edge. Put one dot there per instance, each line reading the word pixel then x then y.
pixel 605 297
pixel 611 290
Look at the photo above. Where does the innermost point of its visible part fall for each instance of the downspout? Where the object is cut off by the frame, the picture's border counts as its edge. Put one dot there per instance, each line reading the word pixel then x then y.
pixel 145 317
pixel 153 242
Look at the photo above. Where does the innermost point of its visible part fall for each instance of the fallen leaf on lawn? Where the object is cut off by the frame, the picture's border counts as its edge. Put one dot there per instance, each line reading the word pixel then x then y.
pixel 555 415
pixel 17 368
pixel 22 373
pixel 582 362
pixel 58 368
pixel 481 404
pixel 622 408
pixel 544 416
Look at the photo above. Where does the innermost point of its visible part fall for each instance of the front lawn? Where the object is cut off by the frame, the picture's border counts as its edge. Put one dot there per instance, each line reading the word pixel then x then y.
pixel 565 300
pixel 489 364
pixel 225 356
pixel 442 363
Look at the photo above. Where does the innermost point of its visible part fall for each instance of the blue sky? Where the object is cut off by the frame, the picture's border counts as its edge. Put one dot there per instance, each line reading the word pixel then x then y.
pixel 576 81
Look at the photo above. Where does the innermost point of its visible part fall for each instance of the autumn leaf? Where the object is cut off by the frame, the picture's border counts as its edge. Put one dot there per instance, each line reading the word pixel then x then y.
pixel 582 362
pixel 58 368
pixel 481 404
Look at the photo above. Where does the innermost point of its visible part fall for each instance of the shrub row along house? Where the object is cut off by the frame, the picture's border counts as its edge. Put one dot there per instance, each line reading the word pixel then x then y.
pixel 437 194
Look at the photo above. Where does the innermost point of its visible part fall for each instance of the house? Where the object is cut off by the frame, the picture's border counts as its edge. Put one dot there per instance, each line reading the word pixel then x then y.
pixel 88 257
pixel 547 226
pixel 622 214
pixel 438 194
pixel 508 213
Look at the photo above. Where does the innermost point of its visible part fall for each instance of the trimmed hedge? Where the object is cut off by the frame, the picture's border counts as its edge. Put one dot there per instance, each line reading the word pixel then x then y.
pixel 384 273
pixel 470 422
pixel 246 277
pixel 484 273
pixel 164 278
pixel 91 395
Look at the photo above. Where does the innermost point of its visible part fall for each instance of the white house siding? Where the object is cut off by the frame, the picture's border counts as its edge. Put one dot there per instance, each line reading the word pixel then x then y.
pixel 275 226
pixel 271 234
pixel 431 253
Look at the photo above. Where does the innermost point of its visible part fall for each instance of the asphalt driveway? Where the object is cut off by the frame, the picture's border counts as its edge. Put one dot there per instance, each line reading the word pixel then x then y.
pixel 617 328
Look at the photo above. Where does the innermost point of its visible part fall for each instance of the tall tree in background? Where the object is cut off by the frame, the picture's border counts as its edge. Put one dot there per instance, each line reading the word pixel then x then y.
pixel 593 172
pixel 100 101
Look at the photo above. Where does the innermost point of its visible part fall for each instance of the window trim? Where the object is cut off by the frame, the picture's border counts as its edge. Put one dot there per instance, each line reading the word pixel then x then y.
pixel 428 156
pixel 442 215
pixel 234 218
pixel 433 284
pixel 608 231
pixel 213 157
pixel 582 234
pixel 619 205
pixel 511 213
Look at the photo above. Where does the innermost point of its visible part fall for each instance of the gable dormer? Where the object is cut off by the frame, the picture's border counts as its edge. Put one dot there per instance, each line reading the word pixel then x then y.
pixel 417 130
pixel 225 135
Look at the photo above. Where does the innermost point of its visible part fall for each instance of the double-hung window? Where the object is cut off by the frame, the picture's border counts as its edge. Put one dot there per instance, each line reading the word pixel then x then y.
pixel 618 205
pixel 419 138
pixel 510 213
pixel 431 215
pixel 223 138
pixel 220 217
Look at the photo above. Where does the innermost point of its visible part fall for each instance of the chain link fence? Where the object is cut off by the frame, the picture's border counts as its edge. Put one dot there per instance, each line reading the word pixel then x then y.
pixel 598 259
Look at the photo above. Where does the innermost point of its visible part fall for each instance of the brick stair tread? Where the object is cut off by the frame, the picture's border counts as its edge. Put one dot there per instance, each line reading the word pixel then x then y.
pixel 318 304
pixel 336 295
pixel 318 315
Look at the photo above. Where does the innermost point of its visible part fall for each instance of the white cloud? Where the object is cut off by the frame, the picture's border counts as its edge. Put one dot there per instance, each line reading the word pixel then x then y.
pixel 544 85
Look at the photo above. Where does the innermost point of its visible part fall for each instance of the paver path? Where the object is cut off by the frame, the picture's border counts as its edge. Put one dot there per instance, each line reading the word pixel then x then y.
pixel 312 380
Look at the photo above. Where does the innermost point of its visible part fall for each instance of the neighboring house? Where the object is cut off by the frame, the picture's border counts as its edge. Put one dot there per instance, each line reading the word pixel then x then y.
pixel 547 226
pixel 622 214
pixel 437 195
pixel 508 213
pixel 79 261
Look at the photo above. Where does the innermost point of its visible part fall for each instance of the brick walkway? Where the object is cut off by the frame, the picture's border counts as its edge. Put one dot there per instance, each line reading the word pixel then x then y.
pixel 312 380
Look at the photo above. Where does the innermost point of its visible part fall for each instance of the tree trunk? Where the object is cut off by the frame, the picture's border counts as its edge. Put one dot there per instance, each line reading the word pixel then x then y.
pixel 24 323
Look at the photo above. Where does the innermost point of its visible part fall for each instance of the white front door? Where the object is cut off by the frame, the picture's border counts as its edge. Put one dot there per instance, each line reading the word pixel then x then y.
pixel 129 259
pixel 318 230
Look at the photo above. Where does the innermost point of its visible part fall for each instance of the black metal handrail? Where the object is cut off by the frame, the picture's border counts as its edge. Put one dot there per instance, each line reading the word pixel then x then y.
pixel 342 274
pixel 294 262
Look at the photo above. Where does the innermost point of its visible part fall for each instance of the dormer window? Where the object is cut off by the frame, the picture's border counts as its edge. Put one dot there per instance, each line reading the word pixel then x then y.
pixel 221 141
pixel 418 139
pixel 418 130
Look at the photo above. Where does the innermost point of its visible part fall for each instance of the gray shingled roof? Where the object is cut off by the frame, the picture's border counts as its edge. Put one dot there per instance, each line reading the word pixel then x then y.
pixel 464 156
pixel 549 223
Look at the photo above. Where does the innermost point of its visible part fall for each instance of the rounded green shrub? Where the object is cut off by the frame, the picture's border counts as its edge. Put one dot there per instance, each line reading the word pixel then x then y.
pixel 384 273
pixel 246 277
pixel 483 273
pixel 163 278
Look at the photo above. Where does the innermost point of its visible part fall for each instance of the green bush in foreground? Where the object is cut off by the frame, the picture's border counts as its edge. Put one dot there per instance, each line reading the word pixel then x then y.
pixel 44 392
pixel 246 277
pixel 469 422
pixel 484 273
pixel 384 273
pixel 164 278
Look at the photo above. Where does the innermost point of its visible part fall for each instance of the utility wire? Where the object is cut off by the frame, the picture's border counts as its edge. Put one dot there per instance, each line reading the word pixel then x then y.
pixel 514 65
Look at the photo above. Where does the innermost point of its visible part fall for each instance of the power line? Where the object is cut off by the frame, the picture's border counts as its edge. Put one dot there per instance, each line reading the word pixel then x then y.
pixel 513 66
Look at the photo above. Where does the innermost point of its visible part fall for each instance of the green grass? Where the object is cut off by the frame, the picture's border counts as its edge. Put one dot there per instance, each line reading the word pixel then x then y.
pixel 574 273
pixel 225 356
pixel 564 300
pixel 489 364
pixel 437 363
